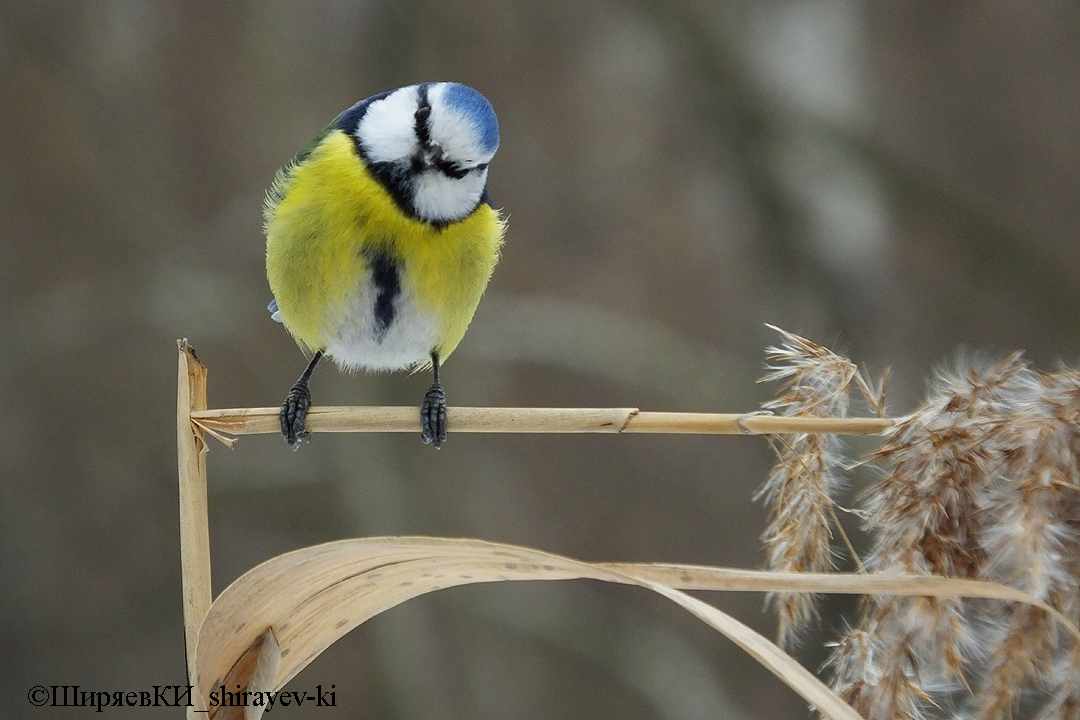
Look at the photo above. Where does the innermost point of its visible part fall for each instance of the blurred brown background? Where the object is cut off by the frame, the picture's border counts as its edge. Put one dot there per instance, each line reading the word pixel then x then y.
pixel 894 179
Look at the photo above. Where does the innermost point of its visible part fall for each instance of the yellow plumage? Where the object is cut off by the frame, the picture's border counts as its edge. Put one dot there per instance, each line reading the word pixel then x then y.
pixel 324 217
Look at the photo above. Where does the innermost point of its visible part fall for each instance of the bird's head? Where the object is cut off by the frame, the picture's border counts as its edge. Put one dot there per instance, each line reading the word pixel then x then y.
pixel 430 145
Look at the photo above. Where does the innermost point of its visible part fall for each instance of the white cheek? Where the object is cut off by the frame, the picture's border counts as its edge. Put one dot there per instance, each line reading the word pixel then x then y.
pixel 441 198
pixel 386 130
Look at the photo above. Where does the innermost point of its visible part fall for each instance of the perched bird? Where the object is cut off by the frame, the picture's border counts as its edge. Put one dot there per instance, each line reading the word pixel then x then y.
pixel 381 237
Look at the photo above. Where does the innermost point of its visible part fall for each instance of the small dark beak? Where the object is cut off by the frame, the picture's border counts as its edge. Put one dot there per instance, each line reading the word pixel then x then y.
pixel 431 156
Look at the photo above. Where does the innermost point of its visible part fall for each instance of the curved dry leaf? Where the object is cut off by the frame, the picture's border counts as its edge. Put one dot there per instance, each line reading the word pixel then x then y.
pixel 307 599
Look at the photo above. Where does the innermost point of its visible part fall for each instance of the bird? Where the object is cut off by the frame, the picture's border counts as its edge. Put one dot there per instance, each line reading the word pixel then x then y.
pixel 381 238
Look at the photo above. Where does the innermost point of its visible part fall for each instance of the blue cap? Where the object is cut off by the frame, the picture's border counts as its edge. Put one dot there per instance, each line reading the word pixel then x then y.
pixel 474 105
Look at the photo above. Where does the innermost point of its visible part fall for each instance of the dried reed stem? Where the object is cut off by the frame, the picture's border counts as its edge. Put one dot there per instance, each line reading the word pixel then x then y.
pixel 194 524
pixel 247 421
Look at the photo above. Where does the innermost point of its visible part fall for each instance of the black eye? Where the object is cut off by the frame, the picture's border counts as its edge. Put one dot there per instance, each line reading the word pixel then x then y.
pixel 481 166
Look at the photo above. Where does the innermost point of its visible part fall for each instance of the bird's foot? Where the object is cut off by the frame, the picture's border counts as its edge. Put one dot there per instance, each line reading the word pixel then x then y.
pixel 293 414
pixel 433 417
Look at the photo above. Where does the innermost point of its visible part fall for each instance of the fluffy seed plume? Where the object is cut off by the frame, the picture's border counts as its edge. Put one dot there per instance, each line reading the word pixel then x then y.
pixel 800 489
pixel 877 681
pixel 924 517
pixel 1031 533
pixel 981 482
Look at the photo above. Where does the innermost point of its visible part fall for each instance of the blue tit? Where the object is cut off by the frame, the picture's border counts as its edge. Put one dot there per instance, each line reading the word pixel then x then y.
pixel 381 237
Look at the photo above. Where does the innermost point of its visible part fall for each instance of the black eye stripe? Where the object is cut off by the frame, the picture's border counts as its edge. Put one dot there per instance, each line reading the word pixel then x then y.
pixel 455 171
pixel 448 168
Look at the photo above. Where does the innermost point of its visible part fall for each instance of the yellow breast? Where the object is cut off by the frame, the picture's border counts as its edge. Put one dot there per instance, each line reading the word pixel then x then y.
pixel 328 214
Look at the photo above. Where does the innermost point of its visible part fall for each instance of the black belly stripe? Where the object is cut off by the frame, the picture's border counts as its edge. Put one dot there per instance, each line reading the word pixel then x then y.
pixel 387 278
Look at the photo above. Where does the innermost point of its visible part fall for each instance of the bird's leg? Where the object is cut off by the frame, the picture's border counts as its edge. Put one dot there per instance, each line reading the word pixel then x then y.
pixel 433 410
pixel 294 409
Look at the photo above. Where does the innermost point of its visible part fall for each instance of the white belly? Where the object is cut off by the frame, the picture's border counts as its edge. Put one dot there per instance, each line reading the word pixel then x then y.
pixel 361 342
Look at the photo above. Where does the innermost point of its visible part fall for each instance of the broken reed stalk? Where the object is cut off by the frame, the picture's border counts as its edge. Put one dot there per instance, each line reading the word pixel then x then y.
pixel 248 421
pixel 194 522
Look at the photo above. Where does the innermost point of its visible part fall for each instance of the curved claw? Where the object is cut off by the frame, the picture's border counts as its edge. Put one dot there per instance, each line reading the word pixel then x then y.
pixel 433 417
pixel 293 414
